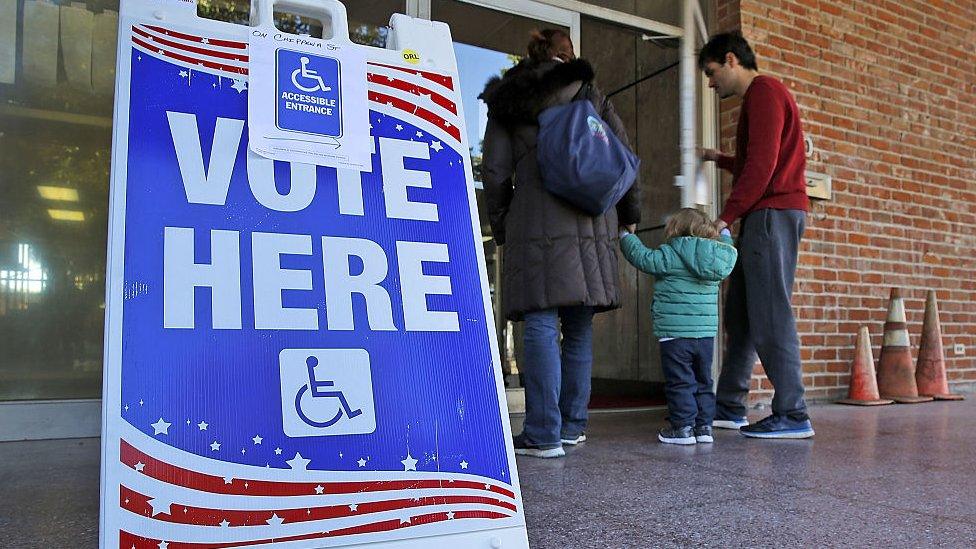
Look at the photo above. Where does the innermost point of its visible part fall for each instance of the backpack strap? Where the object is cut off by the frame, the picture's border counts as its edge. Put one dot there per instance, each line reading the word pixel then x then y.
pixel 582 92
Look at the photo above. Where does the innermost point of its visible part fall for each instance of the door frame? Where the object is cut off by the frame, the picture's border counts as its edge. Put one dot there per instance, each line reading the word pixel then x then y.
pixel 533 10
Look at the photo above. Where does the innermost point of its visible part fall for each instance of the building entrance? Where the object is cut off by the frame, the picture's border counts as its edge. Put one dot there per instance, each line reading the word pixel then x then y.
pixel 490 37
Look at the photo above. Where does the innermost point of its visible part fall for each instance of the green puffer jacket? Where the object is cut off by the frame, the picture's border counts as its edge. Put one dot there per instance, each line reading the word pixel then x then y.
pixel 687 271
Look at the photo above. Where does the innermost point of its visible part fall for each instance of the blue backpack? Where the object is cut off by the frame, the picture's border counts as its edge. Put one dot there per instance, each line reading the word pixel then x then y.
pixel 581 160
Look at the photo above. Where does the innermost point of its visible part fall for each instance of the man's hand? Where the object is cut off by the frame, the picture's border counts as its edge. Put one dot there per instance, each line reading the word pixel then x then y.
pixel 709 155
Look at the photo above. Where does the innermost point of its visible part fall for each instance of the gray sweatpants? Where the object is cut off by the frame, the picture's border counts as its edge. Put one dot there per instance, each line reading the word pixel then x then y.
pixel 759 317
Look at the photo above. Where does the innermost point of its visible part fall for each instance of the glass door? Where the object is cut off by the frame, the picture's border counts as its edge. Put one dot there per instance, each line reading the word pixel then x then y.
pixel 490 37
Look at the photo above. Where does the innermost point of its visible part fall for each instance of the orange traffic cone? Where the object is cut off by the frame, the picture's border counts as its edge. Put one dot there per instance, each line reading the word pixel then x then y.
pixel 864 387
pixel 930 372
pixel 896 373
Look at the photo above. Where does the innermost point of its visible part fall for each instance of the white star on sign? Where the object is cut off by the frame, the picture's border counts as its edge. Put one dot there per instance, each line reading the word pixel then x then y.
pixel 202 425
pixel 224 523
pixel 126 407
pixel 409 464
pixel 205 41
pixel 215 446
pixel 277 451
pixel 257 439
pixel 298 463
pixel 399 127
pixel 436 145
pixel 319 489
pixel 161 427
pixel 163 545
pixel 361 462
pixel 140 466
pixel 228 480
pixel 464 464
pixel 187 422
pixel 140 402
pixel 420 134
pixel 243 451
pixel 160 506
pixel 450 515
pixel 275 520
pixel 353 506
pixel 184 74
pixel 405 520
pixel 239 85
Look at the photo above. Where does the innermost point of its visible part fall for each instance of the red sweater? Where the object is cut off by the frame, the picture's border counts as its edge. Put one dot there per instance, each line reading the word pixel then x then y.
pixel 769 159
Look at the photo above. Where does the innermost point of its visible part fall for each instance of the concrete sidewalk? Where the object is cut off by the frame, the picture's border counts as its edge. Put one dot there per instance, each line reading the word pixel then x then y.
pixel 885 476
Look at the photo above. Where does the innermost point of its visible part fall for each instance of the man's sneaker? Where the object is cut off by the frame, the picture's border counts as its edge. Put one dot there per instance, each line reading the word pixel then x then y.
pixel 703 433
pixel 776 426
pixel 677 435
pixel 525 448
pixel 730 422
pixel 573 441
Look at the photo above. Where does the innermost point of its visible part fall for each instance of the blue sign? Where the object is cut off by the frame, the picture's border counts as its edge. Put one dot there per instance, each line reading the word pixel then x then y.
pixel 295 354
pixel 432 392
pixel 308 93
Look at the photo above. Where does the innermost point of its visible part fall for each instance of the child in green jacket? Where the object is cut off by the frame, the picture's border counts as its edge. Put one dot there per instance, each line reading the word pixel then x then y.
pixel 687 270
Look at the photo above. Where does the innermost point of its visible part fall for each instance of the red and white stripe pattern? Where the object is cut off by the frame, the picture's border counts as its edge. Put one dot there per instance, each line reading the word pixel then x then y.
pixel 170 499
pixel 215 55
pixel 424 95
pixel 393 90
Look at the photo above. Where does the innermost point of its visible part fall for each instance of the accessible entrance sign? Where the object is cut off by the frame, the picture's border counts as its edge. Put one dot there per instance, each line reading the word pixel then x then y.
pixel 297 355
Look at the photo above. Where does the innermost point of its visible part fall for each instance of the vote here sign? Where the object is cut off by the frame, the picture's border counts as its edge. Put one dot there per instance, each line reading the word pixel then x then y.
pixel 297 355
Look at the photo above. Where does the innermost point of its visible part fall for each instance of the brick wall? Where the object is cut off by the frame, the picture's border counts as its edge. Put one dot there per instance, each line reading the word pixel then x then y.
pixel 887 91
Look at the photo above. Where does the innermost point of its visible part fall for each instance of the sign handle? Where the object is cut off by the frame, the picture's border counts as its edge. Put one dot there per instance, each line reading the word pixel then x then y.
pixel 333 10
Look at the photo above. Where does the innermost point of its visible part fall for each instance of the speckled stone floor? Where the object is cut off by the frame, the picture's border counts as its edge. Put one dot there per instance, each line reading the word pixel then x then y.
pixel 889 476
pixel 892 476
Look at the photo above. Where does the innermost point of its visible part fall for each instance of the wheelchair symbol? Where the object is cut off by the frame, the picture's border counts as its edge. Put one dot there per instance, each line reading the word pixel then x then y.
pixel 308 74
pixel 318 392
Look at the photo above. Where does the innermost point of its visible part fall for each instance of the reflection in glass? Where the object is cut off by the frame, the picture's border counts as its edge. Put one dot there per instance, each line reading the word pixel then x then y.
pixel 367 19
pixel 55 142
pixel 476 66
pixel 27 277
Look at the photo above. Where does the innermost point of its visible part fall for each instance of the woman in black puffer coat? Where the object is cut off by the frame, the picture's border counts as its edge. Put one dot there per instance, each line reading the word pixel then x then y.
pixel 560 264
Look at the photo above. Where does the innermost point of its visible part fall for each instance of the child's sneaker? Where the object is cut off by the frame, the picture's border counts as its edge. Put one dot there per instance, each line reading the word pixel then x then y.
pixel 677 435
pixel 703 433
pixel 573 441
pixel 525 448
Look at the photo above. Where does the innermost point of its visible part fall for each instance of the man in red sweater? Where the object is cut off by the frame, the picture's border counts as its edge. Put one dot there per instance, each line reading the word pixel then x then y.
pixel 769 196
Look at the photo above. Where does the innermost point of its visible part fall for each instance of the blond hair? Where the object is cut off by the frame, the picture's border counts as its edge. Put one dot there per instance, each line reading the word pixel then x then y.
pixel 689 222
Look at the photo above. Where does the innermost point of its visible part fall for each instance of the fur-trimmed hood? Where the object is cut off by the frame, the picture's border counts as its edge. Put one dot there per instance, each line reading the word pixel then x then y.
pixel 528 88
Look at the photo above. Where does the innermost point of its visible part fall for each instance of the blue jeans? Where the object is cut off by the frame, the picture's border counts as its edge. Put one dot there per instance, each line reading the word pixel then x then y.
pixel 557 375
pixel 687 364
